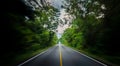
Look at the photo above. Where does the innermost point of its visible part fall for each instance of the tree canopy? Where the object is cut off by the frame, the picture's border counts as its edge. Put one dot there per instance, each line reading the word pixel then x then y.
pixel 26 25
pixel 95 27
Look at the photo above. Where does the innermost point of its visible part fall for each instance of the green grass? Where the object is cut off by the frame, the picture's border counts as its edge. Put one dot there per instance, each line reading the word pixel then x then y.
pixel 25 56
pixel 109 60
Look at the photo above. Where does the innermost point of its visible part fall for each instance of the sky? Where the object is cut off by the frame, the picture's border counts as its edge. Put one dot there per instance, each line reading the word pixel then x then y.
pixel 63 15
pixel 56 3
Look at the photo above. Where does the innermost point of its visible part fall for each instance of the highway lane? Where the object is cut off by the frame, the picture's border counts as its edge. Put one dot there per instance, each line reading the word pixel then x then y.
pixel 71 57
pixel 61 55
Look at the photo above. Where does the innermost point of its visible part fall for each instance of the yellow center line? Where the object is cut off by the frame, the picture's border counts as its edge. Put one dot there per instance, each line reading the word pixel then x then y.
pixel 60 56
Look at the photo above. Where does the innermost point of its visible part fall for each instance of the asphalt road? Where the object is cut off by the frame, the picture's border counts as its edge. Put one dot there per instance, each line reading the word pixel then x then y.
pixel 60 55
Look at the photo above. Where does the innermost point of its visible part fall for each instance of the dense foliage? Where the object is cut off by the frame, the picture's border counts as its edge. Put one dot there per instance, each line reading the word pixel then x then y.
pixel 95 27
pixel 25 28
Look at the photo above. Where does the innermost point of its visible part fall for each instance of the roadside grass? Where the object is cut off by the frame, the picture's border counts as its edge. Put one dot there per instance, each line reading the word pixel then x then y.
pixel 25 56
pixel 108 60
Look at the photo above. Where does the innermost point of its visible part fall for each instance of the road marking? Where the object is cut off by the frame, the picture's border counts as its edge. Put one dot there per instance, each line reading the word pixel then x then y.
pixel 60 55
pixel 90 58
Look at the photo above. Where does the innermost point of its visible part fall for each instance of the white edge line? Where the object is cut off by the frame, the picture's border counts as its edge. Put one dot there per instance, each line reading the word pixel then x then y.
pixel 32 58
pixel 90 58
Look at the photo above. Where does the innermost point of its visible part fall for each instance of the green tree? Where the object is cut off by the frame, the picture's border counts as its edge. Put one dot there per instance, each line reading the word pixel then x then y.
pixel 25 28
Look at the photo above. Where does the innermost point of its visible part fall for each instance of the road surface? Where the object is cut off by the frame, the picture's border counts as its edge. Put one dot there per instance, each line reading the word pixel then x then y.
pixel 61 55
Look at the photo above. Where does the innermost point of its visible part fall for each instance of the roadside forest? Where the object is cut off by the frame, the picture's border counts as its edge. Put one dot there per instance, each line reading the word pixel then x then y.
pixel 95 28
pixel 26 27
